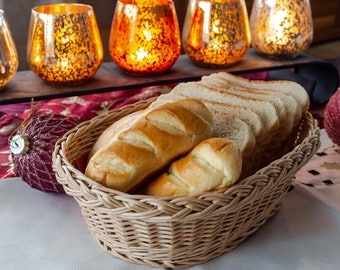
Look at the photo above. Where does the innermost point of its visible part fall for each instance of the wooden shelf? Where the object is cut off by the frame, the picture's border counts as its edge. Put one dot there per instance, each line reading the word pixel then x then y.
pixel 26 85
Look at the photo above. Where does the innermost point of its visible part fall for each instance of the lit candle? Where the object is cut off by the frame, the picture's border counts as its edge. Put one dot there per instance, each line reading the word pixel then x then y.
pixel 64 45
pixel 280 28
pixel 216 33
pixel 145 37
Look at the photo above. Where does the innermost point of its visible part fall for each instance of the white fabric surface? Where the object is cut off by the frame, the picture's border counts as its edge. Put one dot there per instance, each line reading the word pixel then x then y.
pixel 46 231
pixel 321 176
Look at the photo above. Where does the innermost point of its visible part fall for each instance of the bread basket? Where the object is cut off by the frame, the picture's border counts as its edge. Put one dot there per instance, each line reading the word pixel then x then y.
pixel 175 232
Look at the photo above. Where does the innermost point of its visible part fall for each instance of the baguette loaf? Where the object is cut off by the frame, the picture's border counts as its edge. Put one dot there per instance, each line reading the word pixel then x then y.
pixel 148 144
pixel 213 164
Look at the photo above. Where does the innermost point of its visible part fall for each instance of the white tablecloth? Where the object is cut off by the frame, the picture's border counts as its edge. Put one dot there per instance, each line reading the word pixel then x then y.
pixel 46 231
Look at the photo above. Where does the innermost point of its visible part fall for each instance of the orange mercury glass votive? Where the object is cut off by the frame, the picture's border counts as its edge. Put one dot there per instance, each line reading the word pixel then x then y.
pixel 216 32
pixel 64 43
pixel 145 36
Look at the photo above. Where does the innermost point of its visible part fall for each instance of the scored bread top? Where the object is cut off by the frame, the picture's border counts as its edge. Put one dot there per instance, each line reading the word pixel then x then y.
pixel 154 138
pixel 213 164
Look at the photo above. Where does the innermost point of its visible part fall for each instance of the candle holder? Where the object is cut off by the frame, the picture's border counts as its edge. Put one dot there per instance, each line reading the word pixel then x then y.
pixel 281 29
pixel 64 44
pixel 145 36
pixel 216 33
pixel 8 52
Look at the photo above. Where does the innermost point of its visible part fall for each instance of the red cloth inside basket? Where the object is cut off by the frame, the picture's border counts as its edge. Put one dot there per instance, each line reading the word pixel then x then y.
pixel 81 163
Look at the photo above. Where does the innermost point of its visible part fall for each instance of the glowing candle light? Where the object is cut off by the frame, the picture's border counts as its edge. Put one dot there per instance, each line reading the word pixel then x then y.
pixel 280 28
pixel 216 33
pixel 64 44
pixel 145 37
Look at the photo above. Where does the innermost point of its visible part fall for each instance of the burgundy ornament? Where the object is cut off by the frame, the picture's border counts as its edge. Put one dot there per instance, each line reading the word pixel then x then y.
pixel 32 147
pixel 332 118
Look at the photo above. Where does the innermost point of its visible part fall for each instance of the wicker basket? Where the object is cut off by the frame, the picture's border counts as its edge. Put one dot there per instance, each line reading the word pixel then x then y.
pixel 175 232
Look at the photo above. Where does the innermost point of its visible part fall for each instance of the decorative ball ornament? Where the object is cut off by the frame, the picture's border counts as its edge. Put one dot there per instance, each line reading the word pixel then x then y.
pixel 32 147
pixel 332 118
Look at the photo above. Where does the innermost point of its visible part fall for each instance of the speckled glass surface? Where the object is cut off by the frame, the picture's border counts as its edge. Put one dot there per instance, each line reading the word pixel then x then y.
pixel 216 33
pixel 64 44
pixel 281 28
pixel 145 36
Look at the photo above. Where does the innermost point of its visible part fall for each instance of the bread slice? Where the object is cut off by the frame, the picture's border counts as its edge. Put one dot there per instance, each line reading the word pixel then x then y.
pixel 246 114
pixel 226 125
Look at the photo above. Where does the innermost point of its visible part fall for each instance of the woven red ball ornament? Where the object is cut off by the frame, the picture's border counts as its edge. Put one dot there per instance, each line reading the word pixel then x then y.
pixel 332 118
pixel 32 147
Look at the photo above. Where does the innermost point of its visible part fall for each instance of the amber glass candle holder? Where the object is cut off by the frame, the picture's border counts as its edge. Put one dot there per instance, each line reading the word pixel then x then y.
pixel 145 36
pixel 8 53
pixel 216 33
pixel 64 44
pixel 281 29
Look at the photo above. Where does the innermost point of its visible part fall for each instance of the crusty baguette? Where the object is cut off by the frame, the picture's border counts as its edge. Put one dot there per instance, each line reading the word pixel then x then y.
pixel 151 141
pixel 213 164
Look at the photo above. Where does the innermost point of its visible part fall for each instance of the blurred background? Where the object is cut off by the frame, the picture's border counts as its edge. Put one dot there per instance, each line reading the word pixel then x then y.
pixel 326 19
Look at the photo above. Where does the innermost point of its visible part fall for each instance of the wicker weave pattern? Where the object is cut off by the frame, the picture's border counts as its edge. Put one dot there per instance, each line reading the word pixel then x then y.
pixel 175 232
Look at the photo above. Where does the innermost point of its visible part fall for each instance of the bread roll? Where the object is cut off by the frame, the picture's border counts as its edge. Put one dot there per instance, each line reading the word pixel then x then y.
pixel 213 164
pixel 149 143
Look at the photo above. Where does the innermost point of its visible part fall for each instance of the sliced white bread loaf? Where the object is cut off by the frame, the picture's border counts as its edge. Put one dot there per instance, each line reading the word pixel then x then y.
pixel 278 104
pixel 286 110
pixel 293 103
pixel 289 87
pixel 265 109
pixel 240 130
